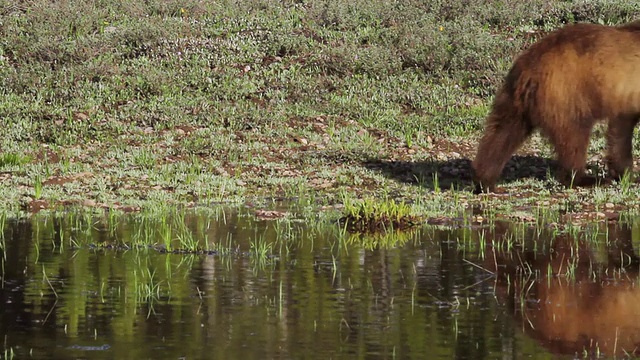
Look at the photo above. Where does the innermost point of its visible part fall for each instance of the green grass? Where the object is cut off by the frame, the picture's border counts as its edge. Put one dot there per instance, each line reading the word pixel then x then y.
pixel 371 215
pixel 193 103
pixel 13 159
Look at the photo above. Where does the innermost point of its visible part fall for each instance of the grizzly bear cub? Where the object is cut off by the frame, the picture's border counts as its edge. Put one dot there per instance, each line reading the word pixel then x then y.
pixel 562 85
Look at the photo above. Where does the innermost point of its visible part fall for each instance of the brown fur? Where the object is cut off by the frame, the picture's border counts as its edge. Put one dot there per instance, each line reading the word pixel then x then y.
pixel 562 85
pixel 573 299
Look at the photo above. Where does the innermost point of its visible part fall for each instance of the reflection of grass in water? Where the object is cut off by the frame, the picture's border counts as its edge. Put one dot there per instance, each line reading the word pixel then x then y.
pixel 182 231
pixel 46 278
pixel 227 247
pixel 260 248
pixel 286 234
pixel 9 353
pixel 147 289
pixel 564 252
pixel 379 240
pixel 169 230
pixel 371 215
pixel 260 252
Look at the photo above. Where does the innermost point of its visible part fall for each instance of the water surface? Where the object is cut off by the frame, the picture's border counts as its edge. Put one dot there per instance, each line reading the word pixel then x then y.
pixel 83 286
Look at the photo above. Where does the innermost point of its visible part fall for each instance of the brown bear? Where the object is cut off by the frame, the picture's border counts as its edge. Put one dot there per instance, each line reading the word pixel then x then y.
pixel 574 304
pixel 562 85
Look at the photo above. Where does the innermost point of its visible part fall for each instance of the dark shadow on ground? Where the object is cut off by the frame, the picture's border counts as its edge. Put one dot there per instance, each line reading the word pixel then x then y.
pixel 457 173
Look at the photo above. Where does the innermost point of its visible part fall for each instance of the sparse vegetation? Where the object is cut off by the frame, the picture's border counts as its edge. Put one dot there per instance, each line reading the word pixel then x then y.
pixel 126 106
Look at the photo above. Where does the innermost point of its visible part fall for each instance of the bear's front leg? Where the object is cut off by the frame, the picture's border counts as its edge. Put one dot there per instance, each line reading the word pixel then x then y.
pixel 619 145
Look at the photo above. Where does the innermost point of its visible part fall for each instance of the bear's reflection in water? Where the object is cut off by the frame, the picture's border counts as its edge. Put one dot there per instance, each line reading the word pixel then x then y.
pixel 579 297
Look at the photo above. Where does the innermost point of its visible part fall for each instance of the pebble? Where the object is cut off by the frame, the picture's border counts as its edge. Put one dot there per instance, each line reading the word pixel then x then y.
pixel 89 203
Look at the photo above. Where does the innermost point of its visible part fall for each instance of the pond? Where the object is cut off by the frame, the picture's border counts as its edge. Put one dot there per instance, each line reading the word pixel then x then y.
pixel 101 286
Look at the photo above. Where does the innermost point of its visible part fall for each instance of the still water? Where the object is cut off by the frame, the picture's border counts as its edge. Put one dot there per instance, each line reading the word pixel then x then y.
pixel 90 286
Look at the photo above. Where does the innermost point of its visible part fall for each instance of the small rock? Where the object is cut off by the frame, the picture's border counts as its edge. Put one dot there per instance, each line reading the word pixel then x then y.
pixel 81 116
pixel 89 203
pixel 609 205
pixel 221 171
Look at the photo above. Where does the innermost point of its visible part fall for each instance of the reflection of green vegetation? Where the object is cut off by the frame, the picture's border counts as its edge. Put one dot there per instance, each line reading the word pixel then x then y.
pixel 412 293
pixel 9 354
pixel 147 290
pixel 260 250
pixel 371 215
pixel 167 230
pixel 379 240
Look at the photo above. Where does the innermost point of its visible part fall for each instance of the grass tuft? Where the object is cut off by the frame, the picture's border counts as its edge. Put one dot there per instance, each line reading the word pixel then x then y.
pixel 371 215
